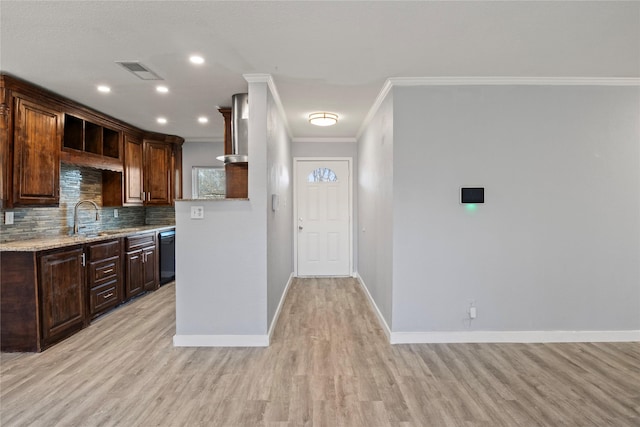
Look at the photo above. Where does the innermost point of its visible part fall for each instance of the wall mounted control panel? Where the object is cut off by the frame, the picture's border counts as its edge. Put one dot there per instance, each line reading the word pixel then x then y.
pixel 472 195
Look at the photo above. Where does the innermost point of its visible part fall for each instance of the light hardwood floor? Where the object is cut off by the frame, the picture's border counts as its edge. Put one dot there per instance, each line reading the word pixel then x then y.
pixel 328 365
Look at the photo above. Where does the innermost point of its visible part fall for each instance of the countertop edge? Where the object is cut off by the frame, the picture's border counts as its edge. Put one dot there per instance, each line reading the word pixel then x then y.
pixel 46 243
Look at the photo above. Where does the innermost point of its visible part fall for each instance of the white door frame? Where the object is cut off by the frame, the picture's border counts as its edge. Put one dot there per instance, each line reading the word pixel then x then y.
pixel 296 160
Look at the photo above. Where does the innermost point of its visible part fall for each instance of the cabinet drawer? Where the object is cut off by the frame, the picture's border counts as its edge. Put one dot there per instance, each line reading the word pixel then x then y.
pixel 103 250
pixel 103 297
pixel 141 241
pixel 105 269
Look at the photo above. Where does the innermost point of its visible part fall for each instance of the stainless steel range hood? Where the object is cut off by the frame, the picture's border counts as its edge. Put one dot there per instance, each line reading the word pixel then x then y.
pixel 239 130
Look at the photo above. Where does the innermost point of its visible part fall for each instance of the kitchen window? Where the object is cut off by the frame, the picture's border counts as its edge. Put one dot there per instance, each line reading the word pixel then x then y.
pixel 208 182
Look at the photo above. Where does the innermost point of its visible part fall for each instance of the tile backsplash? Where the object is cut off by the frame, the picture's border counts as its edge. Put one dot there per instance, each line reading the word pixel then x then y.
pixel 79 183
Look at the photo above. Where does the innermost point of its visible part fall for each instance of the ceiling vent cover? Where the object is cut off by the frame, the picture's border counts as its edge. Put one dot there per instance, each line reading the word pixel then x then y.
pixel 142 71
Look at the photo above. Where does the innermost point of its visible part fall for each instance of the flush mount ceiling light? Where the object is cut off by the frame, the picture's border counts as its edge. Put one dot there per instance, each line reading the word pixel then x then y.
pixel 203 120
pixel 323 119
pixel 162 89
pixel 196 59
pixel 161 120
pixel 104 89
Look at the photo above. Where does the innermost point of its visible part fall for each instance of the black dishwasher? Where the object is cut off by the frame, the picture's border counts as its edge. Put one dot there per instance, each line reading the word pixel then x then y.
pixel 167 256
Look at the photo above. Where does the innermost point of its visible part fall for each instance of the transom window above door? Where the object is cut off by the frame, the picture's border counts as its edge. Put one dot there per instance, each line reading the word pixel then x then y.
pixel 322 175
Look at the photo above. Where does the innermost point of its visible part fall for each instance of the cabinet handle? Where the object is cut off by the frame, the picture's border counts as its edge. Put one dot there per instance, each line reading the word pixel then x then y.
pixel 107 296
pixel 108 271
pixel 83 261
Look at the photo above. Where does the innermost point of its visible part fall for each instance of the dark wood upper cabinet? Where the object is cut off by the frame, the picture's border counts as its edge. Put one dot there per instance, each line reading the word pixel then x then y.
pixel 177 171
pixel 157 172
pixel 39 130
pixel 133 171
pixel 87 143
pixel 36 154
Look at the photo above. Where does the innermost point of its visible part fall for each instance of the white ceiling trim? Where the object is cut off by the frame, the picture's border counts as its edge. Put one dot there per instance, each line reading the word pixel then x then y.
pixel 490 81
pixel 497 81
pixel 213 139
pixel 266 78
pixel 329 139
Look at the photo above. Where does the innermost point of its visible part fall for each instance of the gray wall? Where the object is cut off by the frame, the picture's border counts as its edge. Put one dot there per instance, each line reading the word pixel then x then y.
pixel 198 154
pixel 279 223
pixel 375 207
pixel 325 149
pixel 556 246
pixel 232 266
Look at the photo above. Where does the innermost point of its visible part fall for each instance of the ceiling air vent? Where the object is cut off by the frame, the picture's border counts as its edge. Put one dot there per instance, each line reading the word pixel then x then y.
pixel 142 71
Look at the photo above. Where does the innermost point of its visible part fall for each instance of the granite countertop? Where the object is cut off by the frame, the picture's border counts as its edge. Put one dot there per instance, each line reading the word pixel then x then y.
pixel 54 242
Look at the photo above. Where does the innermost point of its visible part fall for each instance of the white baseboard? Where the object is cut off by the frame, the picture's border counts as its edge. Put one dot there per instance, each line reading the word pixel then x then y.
pixel 383 323
pixel 274 321
pixel 497 336
pixel 513 337
pixel 221 340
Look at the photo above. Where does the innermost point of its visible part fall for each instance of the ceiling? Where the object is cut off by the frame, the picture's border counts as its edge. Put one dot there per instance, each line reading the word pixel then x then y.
pixel 322 55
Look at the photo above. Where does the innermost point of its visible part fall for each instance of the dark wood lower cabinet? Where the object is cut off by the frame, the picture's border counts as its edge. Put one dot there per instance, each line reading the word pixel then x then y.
pixel 49 295
pixel 19 319
pixel 150 268
pixel 104 280
pixel 142 264
pixel 62 290
pixel 134 283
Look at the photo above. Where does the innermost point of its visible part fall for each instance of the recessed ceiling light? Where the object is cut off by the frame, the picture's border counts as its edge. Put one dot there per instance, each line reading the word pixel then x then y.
pixel 323 119
pixel 203 120
pixel 196 59
pixel 162 89
pixel 161 120
pixel 104 89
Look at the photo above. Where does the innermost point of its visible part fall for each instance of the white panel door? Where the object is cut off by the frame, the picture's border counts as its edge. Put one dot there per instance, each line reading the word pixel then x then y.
pixel 323 217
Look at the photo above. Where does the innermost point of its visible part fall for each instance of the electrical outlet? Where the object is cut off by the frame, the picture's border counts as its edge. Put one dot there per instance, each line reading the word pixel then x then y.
pixel 473 312
pixel 197 212
pixel 115 213
pixel 8 218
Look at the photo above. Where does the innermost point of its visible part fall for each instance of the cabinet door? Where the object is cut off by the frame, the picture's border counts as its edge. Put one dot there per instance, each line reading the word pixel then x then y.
pixel 134 283
pixel 36 161
pixel 133 171
pixel 157 173
pixel 177 172
pixel 62 294
pixel 150 269
pixel 5 150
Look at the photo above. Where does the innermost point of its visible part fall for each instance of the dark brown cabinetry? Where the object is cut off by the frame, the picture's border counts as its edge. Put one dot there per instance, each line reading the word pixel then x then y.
pixel 46 296
pixel 92 144
pixel 152 172
pixel 39 130
pixel 62 294
pixel 157 173
pixel 133 171
pixel 141 264
pixel 36 154
pixel 104 276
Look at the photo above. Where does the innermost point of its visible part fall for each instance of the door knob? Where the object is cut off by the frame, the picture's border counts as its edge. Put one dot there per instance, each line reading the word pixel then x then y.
pixel 299 227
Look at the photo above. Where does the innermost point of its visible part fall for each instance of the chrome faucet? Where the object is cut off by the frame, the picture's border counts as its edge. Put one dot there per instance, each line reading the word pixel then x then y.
pixel 75 214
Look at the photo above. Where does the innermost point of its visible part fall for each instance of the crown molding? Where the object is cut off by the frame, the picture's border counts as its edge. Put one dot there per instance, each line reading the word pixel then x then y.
pixel 213 139
pixel 490 81
pixel 266 78
pixel 342 140
pixel 516 81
